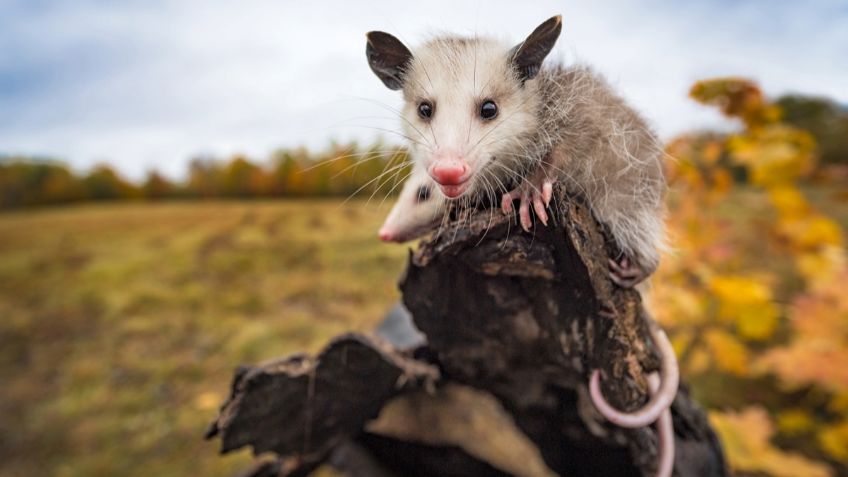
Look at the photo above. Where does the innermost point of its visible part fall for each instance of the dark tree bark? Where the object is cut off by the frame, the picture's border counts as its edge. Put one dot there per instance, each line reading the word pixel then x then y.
pixel 514 323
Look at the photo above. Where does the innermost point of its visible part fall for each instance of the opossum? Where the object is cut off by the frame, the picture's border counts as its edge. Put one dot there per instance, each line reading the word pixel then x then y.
pixel 484 118
pixel 419 209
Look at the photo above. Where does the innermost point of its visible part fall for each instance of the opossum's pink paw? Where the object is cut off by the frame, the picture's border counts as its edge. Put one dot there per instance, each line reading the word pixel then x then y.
pixel 626 273
pixel 507 198
pixel 529 193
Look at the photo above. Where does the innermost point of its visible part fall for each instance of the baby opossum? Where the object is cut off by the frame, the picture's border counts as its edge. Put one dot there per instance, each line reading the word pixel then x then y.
pixel 418 209
pixel 483 117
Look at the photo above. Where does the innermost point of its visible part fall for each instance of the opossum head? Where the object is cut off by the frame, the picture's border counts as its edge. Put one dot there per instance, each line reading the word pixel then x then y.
pixel 470 104
pixel 418 210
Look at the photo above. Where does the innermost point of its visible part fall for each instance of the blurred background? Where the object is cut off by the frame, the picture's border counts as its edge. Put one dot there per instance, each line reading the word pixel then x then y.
pixel 186 186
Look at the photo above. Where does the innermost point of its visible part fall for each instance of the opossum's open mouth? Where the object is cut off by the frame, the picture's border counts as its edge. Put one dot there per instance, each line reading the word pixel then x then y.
pixel 455 190
pixel 453 179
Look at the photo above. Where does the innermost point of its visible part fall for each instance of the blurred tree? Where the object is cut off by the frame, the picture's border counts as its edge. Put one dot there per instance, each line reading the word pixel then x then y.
pixel 25 181
pixel 826 120
pixel 750 303
pixel 242 178
pixel 204 178
pixel 103 183
pixel 156 186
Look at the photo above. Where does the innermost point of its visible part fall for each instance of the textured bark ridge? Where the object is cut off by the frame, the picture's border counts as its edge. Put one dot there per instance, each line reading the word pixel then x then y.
pixel 514 324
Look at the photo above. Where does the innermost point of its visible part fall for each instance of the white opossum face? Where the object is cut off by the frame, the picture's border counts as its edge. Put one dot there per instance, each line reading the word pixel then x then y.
pixel 470 103
pixel 417 211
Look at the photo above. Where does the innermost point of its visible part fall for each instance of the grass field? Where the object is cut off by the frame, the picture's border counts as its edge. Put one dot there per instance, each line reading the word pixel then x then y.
pixel 121 324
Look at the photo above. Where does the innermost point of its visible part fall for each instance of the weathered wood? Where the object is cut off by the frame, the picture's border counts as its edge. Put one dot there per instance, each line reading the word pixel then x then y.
pixel 517 319
pixel 519 315
pixel 302 407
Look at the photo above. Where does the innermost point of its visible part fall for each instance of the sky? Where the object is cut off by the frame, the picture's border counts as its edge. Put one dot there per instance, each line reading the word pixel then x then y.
pixel 151 83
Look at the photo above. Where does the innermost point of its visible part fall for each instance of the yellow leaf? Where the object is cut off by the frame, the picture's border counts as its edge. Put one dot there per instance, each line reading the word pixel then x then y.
pixel 728 352
pixel 834 440
pixel 677 305
pixel 820 267
pixel 746 436
pixel 775 155
pixel 698 362
pixel 839 402
pixel 747 303
pixel 788 201
pixel 680 340
pixel 819 321
pixel 758 323
pixel 794 421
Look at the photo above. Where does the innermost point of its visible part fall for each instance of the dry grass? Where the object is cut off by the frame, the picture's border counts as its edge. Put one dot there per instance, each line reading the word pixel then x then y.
pixel 121 324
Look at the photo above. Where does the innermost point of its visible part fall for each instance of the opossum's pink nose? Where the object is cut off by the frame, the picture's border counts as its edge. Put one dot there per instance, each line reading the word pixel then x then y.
pixel 386 234
pixel 449 173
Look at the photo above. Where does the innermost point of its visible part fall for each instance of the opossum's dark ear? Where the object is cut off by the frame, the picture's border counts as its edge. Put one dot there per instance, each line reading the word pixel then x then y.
pixel 528 55
pixel 387 57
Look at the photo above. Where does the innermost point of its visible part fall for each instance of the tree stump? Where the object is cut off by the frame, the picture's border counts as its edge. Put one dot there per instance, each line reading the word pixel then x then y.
pixel 514 324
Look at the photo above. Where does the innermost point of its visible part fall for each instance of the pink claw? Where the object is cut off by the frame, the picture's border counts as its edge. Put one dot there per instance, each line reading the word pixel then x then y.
pixel 547 192
pixel 529 194
pixel 539 207
pixel 625 273
pixel 524 213
pixel 659 401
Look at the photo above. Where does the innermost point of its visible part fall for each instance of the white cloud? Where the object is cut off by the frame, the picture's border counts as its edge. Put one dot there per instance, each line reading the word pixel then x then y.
pixel 149 84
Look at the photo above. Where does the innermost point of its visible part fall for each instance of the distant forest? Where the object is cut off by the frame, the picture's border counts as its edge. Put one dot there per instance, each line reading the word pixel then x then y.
pixel 341 170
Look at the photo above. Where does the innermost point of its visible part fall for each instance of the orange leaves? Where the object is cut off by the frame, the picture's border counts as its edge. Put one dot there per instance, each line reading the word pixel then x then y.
pixel 789 202
pixel 775 154
pixel 819 346
pixel 735 97
pixel 834 440
pixel 728 353
pixel 815 240
pixel 747 303
pixel 746 436
pixel 756 285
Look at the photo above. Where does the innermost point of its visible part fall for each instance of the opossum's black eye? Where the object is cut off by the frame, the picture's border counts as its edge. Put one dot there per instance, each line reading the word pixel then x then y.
pixel 423 194
pixel 425 109
pixel 488 110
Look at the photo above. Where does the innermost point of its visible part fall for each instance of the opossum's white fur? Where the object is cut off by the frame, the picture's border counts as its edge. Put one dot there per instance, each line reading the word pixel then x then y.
pixel 414 214
pixel 598 146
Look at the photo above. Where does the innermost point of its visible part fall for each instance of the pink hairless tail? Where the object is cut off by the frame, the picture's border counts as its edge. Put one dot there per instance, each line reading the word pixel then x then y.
pixel 665 434
pixel 658 402
pixel 657 410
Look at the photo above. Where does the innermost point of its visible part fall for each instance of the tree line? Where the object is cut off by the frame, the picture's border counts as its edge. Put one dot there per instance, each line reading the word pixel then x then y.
pixel 341 170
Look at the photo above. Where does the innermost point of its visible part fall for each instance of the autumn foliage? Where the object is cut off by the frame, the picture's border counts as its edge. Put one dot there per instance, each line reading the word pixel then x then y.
pixel 343 170
pixel 757 306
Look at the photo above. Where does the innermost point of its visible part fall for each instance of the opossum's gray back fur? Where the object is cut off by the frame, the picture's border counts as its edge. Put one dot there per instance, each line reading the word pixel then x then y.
pixel 603 149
